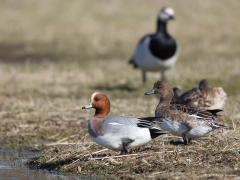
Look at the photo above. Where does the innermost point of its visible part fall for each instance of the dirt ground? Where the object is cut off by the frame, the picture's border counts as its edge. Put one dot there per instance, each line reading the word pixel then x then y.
pixel 54 55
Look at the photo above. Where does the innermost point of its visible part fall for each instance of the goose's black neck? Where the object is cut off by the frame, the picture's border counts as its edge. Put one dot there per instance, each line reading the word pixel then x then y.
pixel 161 27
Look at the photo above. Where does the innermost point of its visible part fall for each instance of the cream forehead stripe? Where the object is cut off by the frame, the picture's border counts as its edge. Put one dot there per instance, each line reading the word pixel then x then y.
pixel 93 95
pixel 169 11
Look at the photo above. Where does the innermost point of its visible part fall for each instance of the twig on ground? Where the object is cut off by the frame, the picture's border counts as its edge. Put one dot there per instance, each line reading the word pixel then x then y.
pixel 127 155
pixel 96 152
pixel 60 143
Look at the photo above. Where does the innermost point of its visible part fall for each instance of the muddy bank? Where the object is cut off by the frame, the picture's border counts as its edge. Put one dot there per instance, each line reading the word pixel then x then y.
pixel 211 157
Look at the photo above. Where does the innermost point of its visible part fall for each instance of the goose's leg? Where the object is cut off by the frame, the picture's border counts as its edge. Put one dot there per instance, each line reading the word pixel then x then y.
pixel 144 77
pixel 163 75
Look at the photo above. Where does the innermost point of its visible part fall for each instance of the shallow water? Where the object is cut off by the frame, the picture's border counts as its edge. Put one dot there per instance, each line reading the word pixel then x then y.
pixel 12 167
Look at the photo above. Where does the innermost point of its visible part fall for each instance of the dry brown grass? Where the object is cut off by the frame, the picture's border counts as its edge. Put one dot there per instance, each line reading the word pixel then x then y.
pixel 54 54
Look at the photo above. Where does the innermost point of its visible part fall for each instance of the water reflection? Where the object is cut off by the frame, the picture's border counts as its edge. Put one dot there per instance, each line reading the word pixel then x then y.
pixel 12 168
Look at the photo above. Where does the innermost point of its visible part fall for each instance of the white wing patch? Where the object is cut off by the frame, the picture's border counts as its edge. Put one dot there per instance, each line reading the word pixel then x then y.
pixel 115 124
pixel 198 117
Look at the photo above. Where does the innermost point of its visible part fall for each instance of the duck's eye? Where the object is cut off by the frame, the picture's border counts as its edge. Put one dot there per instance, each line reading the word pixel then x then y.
pixel 160 86
pixel 96 99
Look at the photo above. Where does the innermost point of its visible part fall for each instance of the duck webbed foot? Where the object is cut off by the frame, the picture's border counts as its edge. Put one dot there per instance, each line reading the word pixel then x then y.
pixel 125 144
pixel 186 140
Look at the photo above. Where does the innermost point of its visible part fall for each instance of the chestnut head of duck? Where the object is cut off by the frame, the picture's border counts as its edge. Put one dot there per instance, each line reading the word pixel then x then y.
pixel 100 102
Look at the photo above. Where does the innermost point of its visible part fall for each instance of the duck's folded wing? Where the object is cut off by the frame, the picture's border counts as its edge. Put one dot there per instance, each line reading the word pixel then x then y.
pixel 203 114
pixel 124 123
pixel 148 122
pixel 119 124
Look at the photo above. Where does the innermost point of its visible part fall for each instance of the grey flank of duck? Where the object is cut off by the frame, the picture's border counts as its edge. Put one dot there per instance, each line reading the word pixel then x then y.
pixel 118 133
pixel 180 120
pixel 203 97
pixel 158 51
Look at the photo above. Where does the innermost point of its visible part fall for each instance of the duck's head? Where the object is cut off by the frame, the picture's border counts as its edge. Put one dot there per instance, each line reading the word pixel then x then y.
pixel 166 14
pixel 162 90
pixel 100 102
pixel 203 84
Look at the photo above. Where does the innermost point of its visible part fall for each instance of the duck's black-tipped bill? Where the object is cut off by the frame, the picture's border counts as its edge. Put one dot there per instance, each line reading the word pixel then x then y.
pixel 149 92
pixel 89 106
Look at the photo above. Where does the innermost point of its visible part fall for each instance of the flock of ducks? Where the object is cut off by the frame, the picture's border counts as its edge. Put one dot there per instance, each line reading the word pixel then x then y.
pixel 190 121
pixel 190 115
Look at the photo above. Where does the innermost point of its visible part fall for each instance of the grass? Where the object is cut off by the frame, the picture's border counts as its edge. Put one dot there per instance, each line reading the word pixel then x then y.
pixel 54 54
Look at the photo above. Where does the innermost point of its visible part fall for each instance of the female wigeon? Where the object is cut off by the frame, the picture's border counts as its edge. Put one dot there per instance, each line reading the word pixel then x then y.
pixel 181 120
pixel 158 51
pixel 203 97
pixel 117 132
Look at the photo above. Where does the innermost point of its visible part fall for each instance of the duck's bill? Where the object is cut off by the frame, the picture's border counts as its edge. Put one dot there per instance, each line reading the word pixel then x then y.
pixel 89 106
pixel 149 92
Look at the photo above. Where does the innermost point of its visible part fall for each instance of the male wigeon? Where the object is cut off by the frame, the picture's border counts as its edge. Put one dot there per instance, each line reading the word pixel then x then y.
pixel 203 97
pixel 158 51
pixel 117 132
pixel 181 120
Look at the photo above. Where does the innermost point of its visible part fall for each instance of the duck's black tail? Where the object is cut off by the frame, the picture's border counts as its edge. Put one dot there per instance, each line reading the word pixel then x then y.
pixel 216 125
pixel 215 112
pixel 155 132
pixel 152 123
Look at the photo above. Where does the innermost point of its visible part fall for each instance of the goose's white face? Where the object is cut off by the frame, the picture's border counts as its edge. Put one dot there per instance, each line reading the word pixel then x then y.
pixel 166 14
